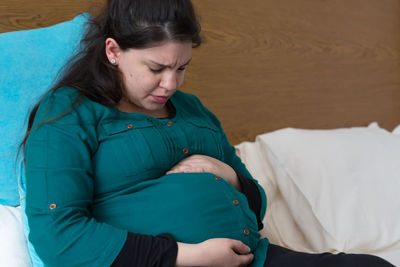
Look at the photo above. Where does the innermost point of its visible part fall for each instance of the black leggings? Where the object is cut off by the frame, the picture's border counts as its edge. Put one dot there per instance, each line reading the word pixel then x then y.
pixel 282 257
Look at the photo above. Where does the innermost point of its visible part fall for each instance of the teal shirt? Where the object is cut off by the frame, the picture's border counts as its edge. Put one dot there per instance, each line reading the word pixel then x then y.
pixel 96 173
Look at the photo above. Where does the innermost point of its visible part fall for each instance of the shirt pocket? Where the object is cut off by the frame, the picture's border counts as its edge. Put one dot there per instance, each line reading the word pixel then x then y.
pixel 137 145
pixel 204 138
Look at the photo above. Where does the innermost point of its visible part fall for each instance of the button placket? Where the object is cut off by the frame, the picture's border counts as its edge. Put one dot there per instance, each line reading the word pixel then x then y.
pixel 246 232
pixel 244 225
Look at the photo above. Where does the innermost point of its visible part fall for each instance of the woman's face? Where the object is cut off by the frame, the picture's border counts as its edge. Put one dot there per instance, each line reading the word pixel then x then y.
pixel 152 75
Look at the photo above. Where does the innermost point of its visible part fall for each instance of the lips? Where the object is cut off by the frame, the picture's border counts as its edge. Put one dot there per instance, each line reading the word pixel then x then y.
pixel 160 99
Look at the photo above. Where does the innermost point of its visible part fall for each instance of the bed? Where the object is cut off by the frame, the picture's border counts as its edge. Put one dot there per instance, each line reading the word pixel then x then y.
pixel 307 91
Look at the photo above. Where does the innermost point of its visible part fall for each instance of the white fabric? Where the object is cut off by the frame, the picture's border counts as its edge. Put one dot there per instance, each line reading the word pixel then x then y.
pixel 279 224
pixel 13 246
pixel 330 190
pixel 396 130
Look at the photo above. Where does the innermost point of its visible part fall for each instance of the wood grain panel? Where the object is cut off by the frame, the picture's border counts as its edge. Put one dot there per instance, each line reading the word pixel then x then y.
pixel 29 14
pixel 271 64
pixel 308 64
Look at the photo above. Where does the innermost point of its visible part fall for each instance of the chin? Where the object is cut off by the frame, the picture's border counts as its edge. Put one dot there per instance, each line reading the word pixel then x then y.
pixel 155 107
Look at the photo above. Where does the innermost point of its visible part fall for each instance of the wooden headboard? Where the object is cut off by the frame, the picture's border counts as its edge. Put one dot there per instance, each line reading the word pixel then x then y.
pixel 267 65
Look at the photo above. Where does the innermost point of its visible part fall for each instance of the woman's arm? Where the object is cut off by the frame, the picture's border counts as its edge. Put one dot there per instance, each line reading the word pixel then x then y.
pixel 60 191
pixel 147 250
pixel 60 194
pixel 219 252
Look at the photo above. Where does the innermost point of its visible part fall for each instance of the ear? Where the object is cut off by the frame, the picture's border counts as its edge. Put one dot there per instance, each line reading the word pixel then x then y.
pixel 113 51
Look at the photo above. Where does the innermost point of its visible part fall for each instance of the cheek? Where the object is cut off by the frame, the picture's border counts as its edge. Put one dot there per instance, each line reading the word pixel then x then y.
pixel 128 77
pixel 147 83
pixel 180 78
pixel 142 81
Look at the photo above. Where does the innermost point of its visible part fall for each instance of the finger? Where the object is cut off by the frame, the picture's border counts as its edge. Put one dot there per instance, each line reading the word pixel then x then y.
pixel 197 170
pixel 245 260
pixel 181 164
pixel 239 247
pixel 180 170
pixel 175 169
pixel 183 168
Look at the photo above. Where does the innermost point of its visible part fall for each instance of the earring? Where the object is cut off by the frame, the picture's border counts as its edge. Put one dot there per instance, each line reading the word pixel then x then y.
pixel 113 61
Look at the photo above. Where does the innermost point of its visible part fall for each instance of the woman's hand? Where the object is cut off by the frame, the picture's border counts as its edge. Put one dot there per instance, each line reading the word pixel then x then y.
pixel 202 163
pixel 217 252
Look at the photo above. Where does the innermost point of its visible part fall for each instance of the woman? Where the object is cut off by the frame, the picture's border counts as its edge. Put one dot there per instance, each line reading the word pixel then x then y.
pixel 125 170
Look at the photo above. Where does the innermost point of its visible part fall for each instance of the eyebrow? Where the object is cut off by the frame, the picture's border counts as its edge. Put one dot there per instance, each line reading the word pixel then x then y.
pixel 168 66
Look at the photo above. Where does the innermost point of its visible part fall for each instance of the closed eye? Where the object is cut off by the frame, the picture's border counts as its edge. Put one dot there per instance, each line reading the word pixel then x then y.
pixel 156 70
pixel 160 70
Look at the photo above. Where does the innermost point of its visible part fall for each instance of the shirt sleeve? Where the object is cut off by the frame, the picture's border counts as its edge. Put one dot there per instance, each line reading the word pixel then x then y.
pixel 146 250
pixel 60 192
pixel 250 190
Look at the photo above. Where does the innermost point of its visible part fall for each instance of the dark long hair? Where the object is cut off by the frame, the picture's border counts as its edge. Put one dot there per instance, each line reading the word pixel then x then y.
pixel 133 24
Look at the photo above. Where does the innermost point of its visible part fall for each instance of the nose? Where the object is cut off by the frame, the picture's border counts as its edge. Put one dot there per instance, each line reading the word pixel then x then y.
pixel 169 81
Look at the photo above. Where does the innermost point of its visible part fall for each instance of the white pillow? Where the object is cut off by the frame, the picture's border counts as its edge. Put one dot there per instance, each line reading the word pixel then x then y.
pixel 13 246
pixel 279 225
pixel 341 186
pixel 396 130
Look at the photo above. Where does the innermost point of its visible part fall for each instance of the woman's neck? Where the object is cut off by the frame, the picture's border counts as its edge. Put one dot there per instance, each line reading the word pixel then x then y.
pixel 165 112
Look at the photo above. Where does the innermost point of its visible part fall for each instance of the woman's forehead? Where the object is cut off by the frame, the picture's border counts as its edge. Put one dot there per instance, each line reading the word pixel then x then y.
pixel 165 53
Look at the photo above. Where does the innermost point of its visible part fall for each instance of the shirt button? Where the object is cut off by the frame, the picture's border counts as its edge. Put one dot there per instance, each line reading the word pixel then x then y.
pixel 235 202
pixel 170 123
pixel 185 150
pixel 129 126
pixel 246 232
pixel 217 178
pixel 52 206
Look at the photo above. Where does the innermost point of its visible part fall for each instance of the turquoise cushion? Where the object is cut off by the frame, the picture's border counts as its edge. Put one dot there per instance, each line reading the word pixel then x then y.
pixel 30 61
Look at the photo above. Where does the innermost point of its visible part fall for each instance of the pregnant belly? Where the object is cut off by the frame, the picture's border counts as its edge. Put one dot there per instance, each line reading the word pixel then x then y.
pixel 192 207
